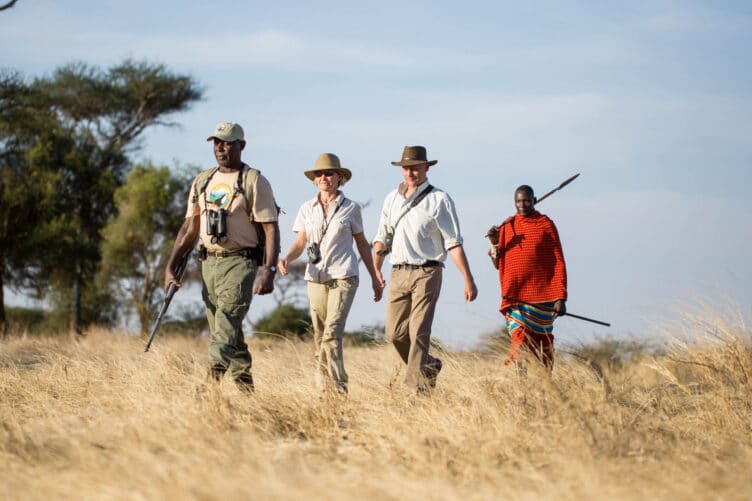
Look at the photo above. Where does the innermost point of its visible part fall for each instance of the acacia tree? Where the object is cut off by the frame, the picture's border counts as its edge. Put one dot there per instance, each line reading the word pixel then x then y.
pixel 30 145
pixel 104 112
pixel 138 241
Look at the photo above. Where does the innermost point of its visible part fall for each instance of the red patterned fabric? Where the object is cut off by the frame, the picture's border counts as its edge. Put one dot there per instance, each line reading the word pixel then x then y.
pixel 531 262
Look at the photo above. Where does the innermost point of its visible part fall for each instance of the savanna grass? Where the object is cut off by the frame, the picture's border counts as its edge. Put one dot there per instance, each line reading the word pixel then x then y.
pixel 99 419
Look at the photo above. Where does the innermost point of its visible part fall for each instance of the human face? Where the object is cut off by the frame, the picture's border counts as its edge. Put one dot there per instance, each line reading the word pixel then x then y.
pixel 415 175
pixel 228 153
pixel 327 180
pixel 524 202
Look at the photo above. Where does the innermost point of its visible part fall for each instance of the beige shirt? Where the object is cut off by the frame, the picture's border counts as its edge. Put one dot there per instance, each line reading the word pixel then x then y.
pixel 221 193
pixel 338 258
pixel 426 232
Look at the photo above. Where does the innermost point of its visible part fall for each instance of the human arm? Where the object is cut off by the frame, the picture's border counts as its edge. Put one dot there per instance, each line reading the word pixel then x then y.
pixel 378 260
pixel 187 235
pixel 460 260
pixel 377 281
pixel 493 236
pixel 266 284
pixel 296 249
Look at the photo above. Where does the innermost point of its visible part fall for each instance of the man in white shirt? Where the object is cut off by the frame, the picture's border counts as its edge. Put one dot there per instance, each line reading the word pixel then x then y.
pixel 419 226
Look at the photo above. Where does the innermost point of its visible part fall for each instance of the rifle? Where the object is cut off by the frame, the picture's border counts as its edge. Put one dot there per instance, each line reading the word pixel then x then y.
pixel 179 271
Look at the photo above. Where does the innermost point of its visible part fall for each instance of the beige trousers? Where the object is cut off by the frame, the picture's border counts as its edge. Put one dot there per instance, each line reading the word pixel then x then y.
pixel 411 304
pixel 330 305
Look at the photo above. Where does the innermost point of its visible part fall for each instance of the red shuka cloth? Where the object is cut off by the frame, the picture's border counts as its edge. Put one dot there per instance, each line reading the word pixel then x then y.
pixel 531 262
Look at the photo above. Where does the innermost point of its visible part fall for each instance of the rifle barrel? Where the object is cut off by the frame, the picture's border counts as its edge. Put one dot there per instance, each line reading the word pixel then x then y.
pixel 179 271
pixel 168 297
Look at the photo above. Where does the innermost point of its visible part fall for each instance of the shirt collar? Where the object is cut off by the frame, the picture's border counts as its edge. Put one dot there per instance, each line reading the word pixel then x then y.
pixel 337 201
pixel 403 188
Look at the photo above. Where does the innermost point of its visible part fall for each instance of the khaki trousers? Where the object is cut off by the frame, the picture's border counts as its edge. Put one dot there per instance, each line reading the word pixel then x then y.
pixel 227 290
pixel 330 304
pixel 411 304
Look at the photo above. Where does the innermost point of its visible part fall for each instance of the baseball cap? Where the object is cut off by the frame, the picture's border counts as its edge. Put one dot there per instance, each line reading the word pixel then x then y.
pixel 227 131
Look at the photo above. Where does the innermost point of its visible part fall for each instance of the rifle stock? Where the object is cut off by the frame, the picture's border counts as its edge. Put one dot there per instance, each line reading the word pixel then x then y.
pixel 179 271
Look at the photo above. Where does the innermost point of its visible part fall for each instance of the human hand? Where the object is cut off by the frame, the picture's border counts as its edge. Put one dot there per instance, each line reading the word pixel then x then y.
pixel 560 307
pixel 266 284
pixel 378 288
pixel 170 279
pixel 471 291
pixel 493 234
pixel 282 266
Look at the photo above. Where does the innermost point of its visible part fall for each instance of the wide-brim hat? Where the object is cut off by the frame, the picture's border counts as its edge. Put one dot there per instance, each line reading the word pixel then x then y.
pixel 227 131
pixel 414 155
pixel 328 161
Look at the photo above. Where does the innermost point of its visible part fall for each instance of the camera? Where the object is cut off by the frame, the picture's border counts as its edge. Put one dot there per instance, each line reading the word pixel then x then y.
pixel 216 225
pixel 387 245
pixel 314 253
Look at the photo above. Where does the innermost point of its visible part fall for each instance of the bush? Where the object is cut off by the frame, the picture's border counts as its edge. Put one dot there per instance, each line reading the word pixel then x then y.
pixel 367 335
pixel 36 321
pixel 610 353
pixel 286 321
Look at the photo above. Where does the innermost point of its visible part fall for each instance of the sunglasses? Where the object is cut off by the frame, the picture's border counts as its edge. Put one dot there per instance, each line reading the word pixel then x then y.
pixel 327 173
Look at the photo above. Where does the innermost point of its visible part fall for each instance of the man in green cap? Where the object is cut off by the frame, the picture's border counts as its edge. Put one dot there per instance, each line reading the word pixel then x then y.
pixel 231 208
pixel 419 226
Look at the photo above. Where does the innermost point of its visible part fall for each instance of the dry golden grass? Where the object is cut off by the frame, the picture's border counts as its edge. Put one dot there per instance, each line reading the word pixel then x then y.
pixel 100 419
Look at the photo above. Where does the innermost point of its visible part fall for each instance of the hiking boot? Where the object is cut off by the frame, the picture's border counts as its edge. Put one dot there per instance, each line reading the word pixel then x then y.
pixel 215 374
pixel 432 371
pixel 244 382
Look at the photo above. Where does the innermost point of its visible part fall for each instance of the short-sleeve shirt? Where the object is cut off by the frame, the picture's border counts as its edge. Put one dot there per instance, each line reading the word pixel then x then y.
pixel 426 232
pixel 338 259
pixel 222 193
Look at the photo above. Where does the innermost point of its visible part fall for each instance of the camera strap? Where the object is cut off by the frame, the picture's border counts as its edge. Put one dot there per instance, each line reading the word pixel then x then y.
pixel 415 202
pixel 328 221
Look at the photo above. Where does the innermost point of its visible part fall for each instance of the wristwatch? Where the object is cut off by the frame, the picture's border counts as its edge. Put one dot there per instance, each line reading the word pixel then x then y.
pixel 272 268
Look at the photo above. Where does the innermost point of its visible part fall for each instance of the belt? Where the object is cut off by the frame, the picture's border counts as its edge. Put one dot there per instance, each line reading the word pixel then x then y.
pixel 427 264
pixel 248 253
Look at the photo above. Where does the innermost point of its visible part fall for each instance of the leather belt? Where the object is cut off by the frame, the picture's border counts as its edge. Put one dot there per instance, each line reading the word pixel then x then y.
pixel 247 253
pixel 427 264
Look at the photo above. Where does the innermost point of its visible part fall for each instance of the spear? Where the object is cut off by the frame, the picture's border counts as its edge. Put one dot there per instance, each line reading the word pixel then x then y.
pixel 539 200
pixel 599 322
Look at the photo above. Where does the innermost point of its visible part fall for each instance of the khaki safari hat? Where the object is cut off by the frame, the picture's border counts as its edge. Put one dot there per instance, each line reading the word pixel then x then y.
pixel 227 131
pixel 328 161
pixel 414 155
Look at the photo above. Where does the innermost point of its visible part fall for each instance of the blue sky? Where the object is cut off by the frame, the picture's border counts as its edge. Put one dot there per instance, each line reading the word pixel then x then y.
pixel 649 101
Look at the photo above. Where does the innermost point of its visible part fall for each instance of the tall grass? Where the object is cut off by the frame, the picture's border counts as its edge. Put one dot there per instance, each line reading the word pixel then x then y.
pixel 99 419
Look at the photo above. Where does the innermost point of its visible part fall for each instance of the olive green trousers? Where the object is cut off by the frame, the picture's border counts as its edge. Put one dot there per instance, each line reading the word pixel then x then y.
pixel 227 293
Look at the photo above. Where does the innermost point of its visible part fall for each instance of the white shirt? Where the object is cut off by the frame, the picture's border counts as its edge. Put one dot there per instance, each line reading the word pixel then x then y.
pixel 426 232
pixel 344 220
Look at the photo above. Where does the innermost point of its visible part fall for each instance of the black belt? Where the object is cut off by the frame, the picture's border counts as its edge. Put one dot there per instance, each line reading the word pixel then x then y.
pixel 427 264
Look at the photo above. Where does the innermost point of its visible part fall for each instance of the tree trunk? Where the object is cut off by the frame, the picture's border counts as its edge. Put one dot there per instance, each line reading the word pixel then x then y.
pixel 3 319
pixel 75 323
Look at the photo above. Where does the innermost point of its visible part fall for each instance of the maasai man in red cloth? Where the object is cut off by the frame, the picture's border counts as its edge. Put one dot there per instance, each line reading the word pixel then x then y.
pixel 533 276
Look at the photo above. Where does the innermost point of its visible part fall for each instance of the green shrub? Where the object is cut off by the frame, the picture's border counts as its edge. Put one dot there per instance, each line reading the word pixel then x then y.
pixel 285 321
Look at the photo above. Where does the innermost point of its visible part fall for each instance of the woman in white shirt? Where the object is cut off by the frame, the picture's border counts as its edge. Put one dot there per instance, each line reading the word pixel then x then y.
pixel 325 228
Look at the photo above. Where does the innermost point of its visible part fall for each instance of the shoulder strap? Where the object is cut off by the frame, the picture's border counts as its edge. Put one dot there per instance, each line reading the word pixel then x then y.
pixel 249 182
pixel 202 180
pixel 415 202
